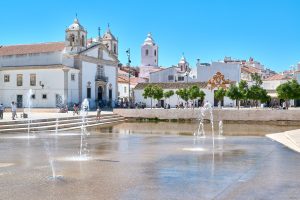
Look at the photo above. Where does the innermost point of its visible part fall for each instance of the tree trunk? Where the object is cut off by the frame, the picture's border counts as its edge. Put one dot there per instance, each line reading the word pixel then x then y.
pixel 151 103
pixel 286 104
pixel 238 103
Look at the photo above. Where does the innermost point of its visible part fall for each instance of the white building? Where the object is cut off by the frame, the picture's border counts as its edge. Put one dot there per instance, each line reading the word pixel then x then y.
pixel 230 70
pixel 149 57
pixel 175 99
pixel 60 72
pixel 179 73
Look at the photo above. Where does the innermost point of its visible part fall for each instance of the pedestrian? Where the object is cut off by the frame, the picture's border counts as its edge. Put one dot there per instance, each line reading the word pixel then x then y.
pixel 13 110
pixel 1 111
pixel 98 113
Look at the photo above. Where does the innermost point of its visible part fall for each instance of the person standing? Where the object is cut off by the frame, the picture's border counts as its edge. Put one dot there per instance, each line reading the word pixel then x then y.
pixel 13 110
pixel 98 113
pixel 1 111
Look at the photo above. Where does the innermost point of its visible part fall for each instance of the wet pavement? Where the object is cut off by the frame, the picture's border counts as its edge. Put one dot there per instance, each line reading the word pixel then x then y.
pixel 127 163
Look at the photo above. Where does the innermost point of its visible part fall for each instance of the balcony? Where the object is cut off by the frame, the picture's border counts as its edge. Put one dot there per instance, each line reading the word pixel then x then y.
pixel 101 78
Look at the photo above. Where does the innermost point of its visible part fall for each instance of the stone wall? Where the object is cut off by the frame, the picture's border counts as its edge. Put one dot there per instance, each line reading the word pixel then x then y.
pixel 254 115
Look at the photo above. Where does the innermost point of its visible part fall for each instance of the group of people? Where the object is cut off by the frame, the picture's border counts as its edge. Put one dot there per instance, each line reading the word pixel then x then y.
pixel 13 110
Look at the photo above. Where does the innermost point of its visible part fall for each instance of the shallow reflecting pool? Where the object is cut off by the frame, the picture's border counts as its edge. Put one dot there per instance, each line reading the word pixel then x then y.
pixel 149 161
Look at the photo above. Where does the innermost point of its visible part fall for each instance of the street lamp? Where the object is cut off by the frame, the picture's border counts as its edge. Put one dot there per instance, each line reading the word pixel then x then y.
pixel 128 64
pixel 187 73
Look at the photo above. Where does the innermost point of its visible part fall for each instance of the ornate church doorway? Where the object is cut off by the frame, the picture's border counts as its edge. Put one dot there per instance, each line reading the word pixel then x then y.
pixel 100 93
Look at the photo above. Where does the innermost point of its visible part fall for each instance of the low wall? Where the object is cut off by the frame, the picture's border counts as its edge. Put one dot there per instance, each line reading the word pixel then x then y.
pixel 254 115
pixel 35 110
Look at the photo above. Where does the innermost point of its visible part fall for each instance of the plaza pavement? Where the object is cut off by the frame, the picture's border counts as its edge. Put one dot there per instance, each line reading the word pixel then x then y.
pixel 291 139
pixel 44 115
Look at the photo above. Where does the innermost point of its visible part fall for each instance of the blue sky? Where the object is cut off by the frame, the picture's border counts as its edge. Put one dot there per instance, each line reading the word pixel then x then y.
pixel 268 30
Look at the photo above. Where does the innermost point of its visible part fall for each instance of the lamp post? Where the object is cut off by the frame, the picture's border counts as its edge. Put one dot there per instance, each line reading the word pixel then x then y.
pixel 128 64
pixel 187 73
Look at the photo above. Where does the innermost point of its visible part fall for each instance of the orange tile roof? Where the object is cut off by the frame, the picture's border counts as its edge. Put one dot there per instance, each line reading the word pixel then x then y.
pixel 133 80
pixel 277 77
pixel 31 48
pixel 251 70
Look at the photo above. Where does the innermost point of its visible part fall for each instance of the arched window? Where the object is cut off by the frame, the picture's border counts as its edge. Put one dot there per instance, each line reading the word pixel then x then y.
pixel 82 41
pixel 115 49
pixel 154 52
pixel 147 52
pixel 72 39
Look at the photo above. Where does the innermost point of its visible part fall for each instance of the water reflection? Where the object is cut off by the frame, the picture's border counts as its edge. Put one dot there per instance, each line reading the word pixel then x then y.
pixel 175 128
pixel 148 161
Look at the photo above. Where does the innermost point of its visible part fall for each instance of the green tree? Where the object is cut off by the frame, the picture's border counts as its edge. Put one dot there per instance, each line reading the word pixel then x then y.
pixel 183 94
pixel 148 93
pixel 234 93
pixel 289 90
pixel 257 93
pixel 256 79
pixel 193 93
pixel 243 88
pixel 158 93
pixel 220 94
pixel 168 94
pixel 202 96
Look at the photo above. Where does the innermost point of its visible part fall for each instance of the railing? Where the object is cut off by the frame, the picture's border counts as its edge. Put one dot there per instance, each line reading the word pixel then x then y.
pixel 101 78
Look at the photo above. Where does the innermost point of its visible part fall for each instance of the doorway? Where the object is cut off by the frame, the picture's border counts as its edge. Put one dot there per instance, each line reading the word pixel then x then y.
pixel 162 103
pixel 20 101
pixel 100 93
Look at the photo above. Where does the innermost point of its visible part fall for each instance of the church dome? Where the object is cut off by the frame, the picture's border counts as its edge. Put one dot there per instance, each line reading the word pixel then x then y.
pixel 76 26
pixel 149 40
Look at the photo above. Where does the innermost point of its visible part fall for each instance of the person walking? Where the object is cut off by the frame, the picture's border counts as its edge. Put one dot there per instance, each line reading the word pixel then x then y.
pixel 13 110
pixel 1 111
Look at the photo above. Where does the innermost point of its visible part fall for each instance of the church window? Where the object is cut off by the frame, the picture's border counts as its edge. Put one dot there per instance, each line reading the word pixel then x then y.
pixel 72 39
pixel 147 52
pixel 155 53
pixel 19 80
pixel 72 77
pixel 115 49
pixel 100 72
pixel 180 78
pixel 110 94
pixel 88 93
pixel 6 78
pixel 44 96
pixel 33 96
pixel 125 89
pixel 170 77
pixel 82 41
pixel 32 79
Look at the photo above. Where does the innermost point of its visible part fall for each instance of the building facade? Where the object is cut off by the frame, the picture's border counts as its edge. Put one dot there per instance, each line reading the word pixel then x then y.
pixel 179 73
pixel 149 57
pixel 60 73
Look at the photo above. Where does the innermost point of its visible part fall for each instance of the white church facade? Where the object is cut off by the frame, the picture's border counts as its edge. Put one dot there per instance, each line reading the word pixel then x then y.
pixel 61 73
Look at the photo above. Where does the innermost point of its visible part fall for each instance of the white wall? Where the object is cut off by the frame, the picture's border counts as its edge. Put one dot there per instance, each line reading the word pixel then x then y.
pixel 150 59
pixel 32 59
pixel 231 71
pixel 176 100
pixel 272 85
pixel 53 80
pixel 122 92
pixel 73 90
pixel 162 76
